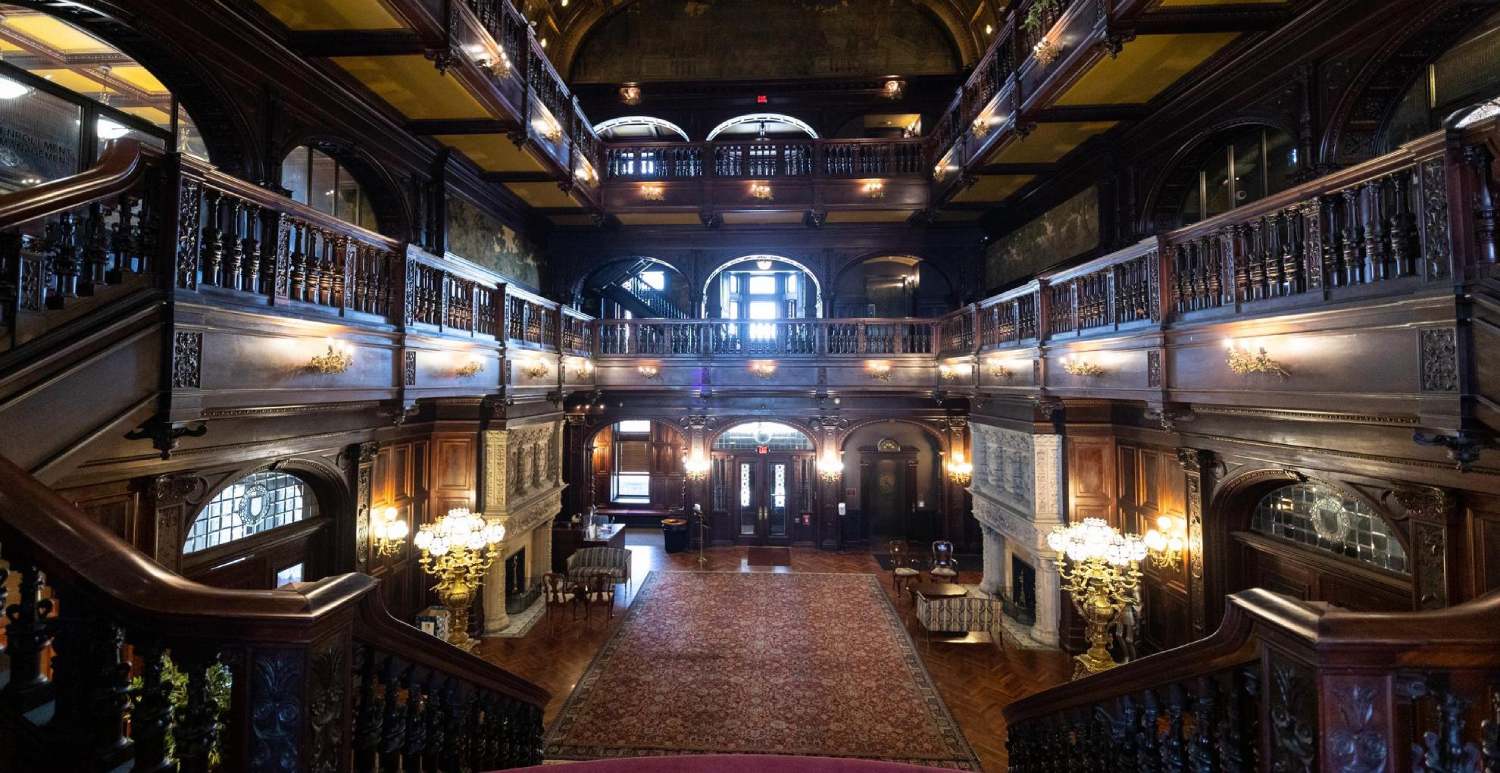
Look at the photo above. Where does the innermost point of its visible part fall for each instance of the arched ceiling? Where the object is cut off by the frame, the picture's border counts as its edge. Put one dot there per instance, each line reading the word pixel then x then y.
pixel 960 24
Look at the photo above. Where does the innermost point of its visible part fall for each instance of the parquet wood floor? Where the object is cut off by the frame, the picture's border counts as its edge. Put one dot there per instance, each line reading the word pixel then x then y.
pixel 976 680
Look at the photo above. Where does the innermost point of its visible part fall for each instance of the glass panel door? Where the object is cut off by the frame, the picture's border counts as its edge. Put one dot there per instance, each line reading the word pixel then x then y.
pixel 748 499
pixel 779 480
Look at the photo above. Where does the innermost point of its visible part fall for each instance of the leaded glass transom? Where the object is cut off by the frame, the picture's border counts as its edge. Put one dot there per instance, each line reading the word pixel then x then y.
pixel 771 435
pixel 1324 519
pixel 256 503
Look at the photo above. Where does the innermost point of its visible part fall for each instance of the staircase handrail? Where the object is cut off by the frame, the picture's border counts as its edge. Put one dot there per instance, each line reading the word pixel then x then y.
pixel 119 169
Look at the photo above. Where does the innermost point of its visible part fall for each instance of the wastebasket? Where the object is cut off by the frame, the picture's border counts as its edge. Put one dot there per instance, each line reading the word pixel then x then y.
pixel 674 532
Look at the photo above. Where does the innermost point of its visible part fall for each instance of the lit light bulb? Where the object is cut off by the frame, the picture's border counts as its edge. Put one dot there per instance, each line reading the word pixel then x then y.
pixel 10 89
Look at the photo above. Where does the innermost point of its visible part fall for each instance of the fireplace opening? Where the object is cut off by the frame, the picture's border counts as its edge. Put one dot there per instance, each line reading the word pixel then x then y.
pixel 1020 597
pixel 520 591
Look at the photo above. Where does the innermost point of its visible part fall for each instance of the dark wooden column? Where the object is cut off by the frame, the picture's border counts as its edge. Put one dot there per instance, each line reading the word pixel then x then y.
pixel 1203 605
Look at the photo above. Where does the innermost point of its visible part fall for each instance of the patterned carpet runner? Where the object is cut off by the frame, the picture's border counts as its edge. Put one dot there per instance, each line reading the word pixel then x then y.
pixel 759 663
pixel 763 556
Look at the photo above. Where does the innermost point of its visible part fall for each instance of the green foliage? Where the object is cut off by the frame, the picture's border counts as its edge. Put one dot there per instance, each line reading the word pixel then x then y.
pixel 220 682
pixel 1037 14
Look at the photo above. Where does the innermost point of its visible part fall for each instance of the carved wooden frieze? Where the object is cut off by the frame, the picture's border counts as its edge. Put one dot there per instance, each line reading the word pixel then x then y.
pixel 327 690
pixel 1356 719
pixel 187 359
pixel 1439 360
pixel 276 711
pixel 1292 708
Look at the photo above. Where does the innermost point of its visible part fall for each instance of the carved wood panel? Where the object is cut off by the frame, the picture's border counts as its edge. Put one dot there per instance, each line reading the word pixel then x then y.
pixel 1091 478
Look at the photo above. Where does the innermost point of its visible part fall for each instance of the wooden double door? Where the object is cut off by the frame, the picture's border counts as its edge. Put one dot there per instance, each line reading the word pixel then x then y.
pixel 766 496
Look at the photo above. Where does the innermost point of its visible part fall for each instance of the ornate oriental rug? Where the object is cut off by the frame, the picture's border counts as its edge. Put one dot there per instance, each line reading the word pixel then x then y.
pixel 721 662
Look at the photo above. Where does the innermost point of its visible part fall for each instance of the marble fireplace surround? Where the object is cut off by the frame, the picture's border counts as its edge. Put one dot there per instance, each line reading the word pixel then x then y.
pixel 1017 493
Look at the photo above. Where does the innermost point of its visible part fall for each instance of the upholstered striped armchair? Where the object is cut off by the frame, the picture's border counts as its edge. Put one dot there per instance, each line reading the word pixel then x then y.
pixel 613 563
pixel 954 614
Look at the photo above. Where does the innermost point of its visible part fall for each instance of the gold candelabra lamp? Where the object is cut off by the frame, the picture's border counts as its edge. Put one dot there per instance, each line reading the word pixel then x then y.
pixel 1100 572
pixel 458 549
pixel 1167 542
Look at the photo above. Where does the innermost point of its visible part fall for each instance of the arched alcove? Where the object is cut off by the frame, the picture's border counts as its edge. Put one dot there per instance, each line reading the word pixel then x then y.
pixel 890 286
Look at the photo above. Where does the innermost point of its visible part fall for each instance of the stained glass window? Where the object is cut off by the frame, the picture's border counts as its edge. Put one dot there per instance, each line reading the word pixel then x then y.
pixel 775 436
pixel 1326 520
pixel 256 503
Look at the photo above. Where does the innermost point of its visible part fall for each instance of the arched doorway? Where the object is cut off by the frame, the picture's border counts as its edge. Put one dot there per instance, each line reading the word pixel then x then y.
pixel 1317 541
pixel 261 531
pixel 762 287
pixel 763 480
pixel 895 470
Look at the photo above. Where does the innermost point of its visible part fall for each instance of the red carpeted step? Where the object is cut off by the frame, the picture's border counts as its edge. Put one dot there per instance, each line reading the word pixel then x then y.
pixel 717 763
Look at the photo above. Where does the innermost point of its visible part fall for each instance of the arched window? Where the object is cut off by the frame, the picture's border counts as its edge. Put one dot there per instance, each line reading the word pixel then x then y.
pixel 256 503
pixel 319 181
pixel 64 93
pixel 639 128
pixel 1324 519
pixel 1233 169
pixel 774 436
pixel 763 125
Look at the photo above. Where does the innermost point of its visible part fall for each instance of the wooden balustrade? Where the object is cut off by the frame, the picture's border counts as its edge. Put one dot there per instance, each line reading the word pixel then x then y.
pixel 765 158
pixel 317 674
pixel 1285 685
pixel 242 238
pixel 531 320
pixel 73 238
pixel 786 337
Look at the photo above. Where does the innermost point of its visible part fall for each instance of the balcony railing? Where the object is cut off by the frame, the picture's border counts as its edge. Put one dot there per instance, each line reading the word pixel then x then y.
pixel 765 338
pixel 764 159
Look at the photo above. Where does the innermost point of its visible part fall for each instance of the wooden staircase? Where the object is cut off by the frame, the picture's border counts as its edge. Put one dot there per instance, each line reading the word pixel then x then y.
pixel 114 663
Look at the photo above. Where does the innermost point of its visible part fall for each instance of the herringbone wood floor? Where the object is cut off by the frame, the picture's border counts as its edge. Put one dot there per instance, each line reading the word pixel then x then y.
pixel 976 680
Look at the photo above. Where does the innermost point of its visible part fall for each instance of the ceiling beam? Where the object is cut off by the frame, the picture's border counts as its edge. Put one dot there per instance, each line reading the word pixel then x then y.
pixel 1223 18
pixel 1089 113
pixel 1013 169
pixel 517 177
pixel 358 43
pixel 459 126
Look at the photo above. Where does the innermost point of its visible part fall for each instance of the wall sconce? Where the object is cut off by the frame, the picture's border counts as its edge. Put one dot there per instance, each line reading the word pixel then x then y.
pixel 960 471
pixel 535 368
pixel 1167 541
pixel 473 366
pixel 582 367
pixel 1046 52
pixel 547 127
pixel 951 372
pixel 980 127
pixel 653 192
pixel 585 173
pixel 337 359
pixel 1081 368
pixel 761 191
pixel 830 466
pixel 999 371
pixel 388 531
pixel 880 370
pixel 1243 362
pixel 763 368
pixel 648 371
pixel 894 88
pixel 696 466
pixel 630 94
pixel 484 59
pixel 875 189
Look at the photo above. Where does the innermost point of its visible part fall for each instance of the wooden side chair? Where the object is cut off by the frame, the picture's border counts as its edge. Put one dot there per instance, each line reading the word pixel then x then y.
pixel 902 572
pixel 598 590
pixel 944 566
pixel 558 592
